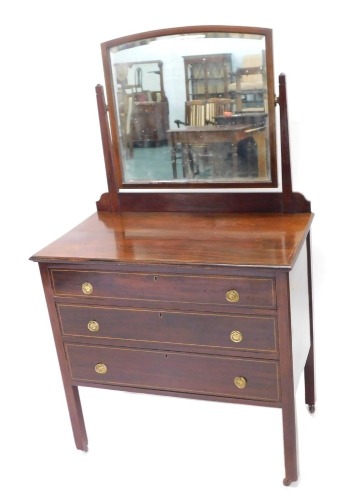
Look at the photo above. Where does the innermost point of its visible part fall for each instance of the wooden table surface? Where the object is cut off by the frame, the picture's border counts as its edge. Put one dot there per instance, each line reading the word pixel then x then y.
pixel 256 240
pixel 215 134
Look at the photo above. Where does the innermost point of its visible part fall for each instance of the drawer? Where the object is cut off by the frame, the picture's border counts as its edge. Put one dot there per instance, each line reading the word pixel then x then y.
pixel 214 290
pixel 232 332
pixel 175 372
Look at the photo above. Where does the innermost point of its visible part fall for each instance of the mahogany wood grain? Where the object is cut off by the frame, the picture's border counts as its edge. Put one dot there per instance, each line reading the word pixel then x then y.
pixel 170 288
pixel 169 329
pixel 251 240
pixel 173 371
pixel 213 202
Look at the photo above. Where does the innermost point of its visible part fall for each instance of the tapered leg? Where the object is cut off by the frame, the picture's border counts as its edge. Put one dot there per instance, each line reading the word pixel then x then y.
pixel 76 416
pixel 289 437
pixel 287 380
pixel 309 370
pixel 309 380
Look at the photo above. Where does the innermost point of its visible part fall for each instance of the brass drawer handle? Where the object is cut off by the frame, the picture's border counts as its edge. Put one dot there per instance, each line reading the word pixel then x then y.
pixel 240 382
pixel 87 288
pixel 232 296
pixel 236 336
pixel 93 326
pixel 101 368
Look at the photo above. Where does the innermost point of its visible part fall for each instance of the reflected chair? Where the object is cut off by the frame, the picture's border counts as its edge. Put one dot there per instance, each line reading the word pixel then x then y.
pixel 195 116
pixel 199 157
pixel 193 158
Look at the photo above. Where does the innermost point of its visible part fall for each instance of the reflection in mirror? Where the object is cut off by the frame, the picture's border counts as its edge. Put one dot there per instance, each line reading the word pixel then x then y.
pixel 192 109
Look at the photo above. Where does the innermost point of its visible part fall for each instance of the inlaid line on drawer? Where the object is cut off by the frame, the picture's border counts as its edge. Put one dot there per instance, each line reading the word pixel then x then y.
pixel 177 372
pixel 230 291
pixel 234 332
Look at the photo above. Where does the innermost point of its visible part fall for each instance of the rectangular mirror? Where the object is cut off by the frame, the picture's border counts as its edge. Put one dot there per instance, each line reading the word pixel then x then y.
pixel 192 108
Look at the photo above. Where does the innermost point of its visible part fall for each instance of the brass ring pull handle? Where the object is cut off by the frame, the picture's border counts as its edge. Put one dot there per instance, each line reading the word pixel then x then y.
pixel 101 368
pixel 93 326
pixel 240 382
pixel 236 336
pixel 87 288
pixel 232 296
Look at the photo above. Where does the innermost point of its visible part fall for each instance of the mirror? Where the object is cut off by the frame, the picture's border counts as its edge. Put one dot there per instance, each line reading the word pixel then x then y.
pixel 192 108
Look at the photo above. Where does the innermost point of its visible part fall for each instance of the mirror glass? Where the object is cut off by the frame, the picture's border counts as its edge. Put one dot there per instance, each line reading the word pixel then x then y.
pixel 192 108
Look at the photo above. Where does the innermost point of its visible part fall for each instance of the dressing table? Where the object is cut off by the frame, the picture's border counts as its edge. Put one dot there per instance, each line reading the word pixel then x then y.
pixel 194 286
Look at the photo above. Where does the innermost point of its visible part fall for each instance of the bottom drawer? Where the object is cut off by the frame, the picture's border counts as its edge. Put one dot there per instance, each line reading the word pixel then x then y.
pixel 177 372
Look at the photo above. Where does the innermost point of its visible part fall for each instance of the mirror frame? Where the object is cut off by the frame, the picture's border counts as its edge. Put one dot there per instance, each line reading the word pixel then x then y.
pixel 116 157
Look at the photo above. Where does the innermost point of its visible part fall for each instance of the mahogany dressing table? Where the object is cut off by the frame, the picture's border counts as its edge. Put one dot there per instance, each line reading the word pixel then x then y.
pixel 197 288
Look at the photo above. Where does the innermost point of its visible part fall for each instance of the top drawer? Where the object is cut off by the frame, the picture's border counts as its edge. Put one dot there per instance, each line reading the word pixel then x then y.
pixel 215 290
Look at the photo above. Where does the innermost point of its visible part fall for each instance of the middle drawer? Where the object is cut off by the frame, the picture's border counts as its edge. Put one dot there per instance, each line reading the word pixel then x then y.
pixel 222 331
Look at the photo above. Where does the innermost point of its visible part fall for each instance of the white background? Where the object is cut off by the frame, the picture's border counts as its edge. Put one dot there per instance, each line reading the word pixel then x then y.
pixel 52 173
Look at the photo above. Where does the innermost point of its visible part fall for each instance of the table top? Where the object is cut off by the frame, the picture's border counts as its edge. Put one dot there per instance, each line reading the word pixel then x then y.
pixel 209 128
pixel 256 240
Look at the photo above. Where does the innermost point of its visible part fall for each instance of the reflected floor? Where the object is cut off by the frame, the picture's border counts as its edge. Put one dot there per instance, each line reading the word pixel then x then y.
pixel 150 163
pixel 155 164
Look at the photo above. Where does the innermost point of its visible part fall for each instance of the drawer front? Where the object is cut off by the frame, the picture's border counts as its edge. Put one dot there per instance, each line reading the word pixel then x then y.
pixel 214 290
pixel 233 332
pixel 176 372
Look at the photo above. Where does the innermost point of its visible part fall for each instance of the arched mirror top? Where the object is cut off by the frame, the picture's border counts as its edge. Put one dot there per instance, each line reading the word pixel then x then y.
pixel 192 107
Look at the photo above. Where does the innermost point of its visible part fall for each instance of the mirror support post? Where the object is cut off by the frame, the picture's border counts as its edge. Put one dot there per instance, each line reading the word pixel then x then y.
pixel 108 201
pixel 285 147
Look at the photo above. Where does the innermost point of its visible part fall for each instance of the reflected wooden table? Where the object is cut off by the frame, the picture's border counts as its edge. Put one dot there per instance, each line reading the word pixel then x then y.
pixel 189 137
pixel 244 118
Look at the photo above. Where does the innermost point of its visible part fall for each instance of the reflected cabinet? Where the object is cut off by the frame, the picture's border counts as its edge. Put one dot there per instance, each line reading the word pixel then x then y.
pixel 207 76
pixel 193 277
